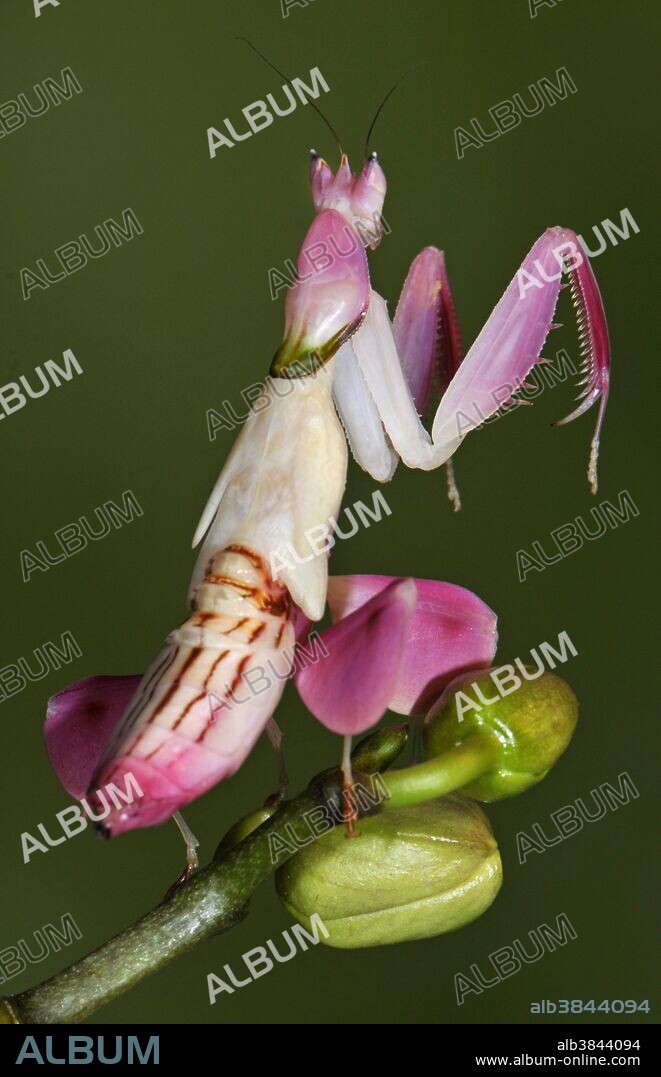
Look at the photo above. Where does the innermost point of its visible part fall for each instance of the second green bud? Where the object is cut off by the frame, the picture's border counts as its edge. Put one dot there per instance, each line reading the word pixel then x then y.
pixel 527 729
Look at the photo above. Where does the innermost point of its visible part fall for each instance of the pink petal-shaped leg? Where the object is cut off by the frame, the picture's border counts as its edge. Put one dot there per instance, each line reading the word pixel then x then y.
pixel 512 339
pixel 350 688
pixel 427 336
pixel 509 344
pixel 450 630
pixel 79 724
pixel 497 364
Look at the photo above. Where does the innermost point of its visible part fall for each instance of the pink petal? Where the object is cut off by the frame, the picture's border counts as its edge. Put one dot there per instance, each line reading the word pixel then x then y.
pixel 302 625
pixel 451 630
pixel 349 689
pixel 328 302
pixel 79 722
pixel 426 329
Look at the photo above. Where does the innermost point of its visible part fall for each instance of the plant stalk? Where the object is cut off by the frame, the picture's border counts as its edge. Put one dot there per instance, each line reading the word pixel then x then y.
pixel 441 775
pixel 211 902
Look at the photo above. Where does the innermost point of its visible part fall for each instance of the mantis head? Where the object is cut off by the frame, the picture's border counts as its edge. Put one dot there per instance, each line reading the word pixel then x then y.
pixel 358 196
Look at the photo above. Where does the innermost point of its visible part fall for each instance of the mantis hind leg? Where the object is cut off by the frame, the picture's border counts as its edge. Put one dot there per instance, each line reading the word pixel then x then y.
pixel 275 736
pixel 192 860
pixel 349 811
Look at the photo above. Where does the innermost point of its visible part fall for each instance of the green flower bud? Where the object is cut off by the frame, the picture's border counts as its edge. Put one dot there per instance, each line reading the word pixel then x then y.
pixel 412 873
pixel 380 748
pixel 524 733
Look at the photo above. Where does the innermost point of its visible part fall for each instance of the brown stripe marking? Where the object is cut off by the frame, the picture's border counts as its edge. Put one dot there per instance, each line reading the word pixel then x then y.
pixel 239 672
pixel 192 658
pixel 136 742
pixel 149 685
pixel 219 579
pixel 237 677
pixel 192 702
pixel 255 560
pixel 143 700
pixel 278 604
pixel 220 657
pixel 203 618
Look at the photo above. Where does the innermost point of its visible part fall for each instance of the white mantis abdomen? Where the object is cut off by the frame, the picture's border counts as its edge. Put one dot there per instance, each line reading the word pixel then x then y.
pixel 187 727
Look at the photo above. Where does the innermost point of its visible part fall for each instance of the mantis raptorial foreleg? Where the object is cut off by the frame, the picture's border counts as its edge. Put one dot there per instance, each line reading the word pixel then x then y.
pixel 494 368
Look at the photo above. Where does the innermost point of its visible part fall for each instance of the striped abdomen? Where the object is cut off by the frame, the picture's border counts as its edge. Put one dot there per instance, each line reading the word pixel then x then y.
pixel 202 704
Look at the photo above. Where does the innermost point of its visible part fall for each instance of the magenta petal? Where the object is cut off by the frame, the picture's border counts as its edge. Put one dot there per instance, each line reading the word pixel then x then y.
pixel 79 722
pixel 451 630
pixel 349 689
pixel 426 329
pixel 302 625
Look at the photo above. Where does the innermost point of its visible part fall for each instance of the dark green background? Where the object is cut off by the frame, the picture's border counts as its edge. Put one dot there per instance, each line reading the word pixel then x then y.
pixel 180 319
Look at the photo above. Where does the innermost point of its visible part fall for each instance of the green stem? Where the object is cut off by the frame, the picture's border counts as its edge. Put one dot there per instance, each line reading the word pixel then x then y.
pixel 443 774
pixel 211 902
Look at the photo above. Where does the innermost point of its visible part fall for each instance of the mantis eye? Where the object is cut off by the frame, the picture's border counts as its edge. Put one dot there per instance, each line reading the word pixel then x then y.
pixel 369 189
pixel 321 178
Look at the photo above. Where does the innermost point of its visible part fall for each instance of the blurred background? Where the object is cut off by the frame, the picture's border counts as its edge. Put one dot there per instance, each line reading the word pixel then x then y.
pixel 180 319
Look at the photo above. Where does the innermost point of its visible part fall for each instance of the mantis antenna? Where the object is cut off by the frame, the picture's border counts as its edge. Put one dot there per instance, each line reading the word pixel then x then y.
pixel 380 108
pixel 282 74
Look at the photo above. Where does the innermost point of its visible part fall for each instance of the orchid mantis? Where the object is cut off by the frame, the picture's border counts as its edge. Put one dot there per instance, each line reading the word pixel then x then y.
pixel 353 376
